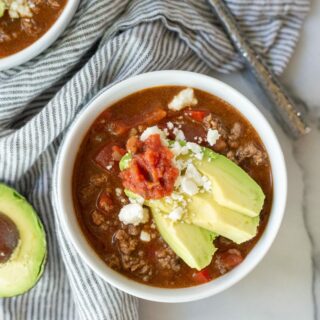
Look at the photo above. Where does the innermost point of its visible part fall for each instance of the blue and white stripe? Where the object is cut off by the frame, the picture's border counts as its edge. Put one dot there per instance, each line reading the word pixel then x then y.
pixel 108 41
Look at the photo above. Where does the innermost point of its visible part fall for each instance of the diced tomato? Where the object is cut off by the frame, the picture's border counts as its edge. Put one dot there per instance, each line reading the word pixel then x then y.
pixel 104 156
pixel 202 276
pixel 151 173
pixel 117 153
pixel 105 202
pixel 197 115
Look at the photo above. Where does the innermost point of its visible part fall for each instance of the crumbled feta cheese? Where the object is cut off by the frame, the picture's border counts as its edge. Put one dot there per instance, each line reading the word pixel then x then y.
pixel 212 136
pixel 145 236
pixel 170 125
pixel 150 131
pixel 206 183
pixel 188 186
pixel 195 149
pixel 179 134
pixel 176 214
pixel 185 98
pixel 133 213
pixel 109 166
pixel 194 174
pixel 18 8
pixel 177 149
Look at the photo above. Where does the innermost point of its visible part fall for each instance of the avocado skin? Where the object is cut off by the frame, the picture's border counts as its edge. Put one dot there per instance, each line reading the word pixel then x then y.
pixel 26 265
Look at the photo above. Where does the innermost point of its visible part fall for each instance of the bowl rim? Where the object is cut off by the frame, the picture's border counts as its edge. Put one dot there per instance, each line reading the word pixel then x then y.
pixel 46 40
pixel 92 110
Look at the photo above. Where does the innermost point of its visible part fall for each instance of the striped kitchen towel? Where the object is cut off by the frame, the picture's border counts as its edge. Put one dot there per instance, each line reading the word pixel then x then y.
pixel 106 42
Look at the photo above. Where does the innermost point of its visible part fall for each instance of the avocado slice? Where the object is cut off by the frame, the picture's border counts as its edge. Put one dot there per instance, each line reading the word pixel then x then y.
pixel 204 212
pixel 2 8
pixel 192 244
pixel 232 187
pixel 22 244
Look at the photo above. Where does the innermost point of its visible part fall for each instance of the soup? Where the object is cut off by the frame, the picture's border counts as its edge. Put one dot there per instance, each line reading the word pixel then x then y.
pixel 24 22
pixel 125 231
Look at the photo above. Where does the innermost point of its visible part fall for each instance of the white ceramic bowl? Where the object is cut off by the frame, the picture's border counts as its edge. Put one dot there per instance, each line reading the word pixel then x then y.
pixel 68 151
pixel 44 41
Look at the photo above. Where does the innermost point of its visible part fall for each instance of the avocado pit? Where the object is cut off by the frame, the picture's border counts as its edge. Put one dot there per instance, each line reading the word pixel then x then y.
pixel 9 238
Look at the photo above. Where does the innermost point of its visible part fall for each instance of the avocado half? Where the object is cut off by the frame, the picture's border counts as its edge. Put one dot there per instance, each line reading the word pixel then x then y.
pixel 22 244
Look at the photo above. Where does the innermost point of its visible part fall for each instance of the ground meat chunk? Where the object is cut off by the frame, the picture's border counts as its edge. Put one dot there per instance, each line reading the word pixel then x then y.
pixel 29 26
pixel 137 265
pixel 113 261
pixel 126 243
pixel 97 217
pixel 133 230
pixel 232 156
pixel 99 180
pixel 250 150
pixel 167 259
pixel 235 134
pixel 213 122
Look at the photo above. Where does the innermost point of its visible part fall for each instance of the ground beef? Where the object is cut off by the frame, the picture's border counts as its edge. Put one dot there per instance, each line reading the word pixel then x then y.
pixel 235 134
pixel 113 261
pixel 133 230
pixel 97 217
pixel 99 180
pixel 130 259
pixel 250 150
pixel 213 122
pixel 167 259
pixel 126 243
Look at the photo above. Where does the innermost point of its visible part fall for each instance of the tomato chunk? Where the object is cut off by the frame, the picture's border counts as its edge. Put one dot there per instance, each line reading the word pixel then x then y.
pixel 151 173
pixel 202 276
pixel 197 115
pixel 104 156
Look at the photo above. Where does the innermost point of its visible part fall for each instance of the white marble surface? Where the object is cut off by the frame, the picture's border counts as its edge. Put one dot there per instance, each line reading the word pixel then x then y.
pixel 286 284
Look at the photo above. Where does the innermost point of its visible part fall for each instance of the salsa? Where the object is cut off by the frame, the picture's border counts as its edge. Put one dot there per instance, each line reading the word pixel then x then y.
pixel 151 173
pixel 138 251
pixel 21 28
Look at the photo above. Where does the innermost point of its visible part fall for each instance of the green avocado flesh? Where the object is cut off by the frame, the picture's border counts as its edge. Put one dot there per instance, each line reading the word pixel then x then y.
pixel 232 187
pixel 25 265
pixel 192 244
pixel 231 209
pixel 2 8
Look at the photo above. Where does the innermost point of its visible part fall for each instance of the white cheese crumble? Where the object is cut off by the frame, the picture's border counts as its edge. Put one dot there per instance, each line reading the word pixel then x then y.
pixel 177 149
pixel 185 98
pixel 170 125
pixel 176 214
pixel 154 130
pixel 133 213
pixel 194 174
pixel 188 186
pixel 18 8
pixel 179 134
pixel 118 192
pixel 196 149
pixel 212 136
pixel 145 236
